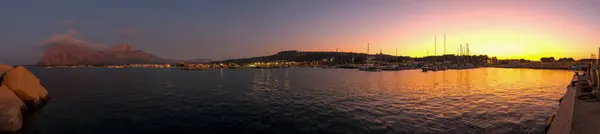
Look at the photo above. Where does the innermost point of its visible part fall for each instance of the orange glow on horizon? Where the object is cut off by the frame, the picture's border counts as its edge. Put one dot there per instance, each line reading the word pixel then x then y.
pixel 503 30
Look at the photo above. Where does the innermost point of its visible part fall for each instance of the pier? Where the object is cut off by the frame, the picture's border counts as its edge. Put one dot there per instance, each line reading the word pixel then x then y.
pixel 579 109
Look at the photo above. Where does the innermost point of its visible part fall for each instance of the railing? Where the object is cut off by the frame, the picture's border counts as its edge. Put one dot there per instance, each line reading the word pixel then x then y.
pixel 594 75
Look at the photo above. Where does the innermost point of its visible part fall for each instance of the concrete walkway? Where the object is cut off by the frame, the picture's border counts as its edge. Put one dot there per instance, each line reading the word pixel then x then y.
pixel 562 121
pixel 586 116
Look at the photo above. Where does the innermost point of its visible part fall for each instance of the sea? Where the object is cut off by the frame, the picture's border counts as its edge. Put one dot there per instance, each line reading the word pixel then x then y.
pixel 295 101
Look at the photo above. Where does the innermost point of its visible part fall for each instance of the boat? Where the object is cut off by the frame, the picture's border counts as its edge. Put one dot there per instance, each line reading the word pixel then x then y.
pixel 348 66
pixel 435 68
pixel 391 68
pixel 578 67
pixel 469 66
pixel 368 67
pixel 443 67
pixel 426 68
pixel 328 67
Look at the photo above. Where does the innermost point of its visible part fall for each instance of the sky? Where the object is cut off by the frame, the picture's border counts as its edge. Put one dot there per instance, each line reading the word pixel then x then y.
pixel 223 29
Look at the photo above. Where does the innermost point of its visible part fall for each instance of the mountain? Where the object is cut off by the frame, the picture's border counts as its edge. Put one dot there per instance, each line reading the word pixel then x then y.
pixel 124 54
pixel 69 54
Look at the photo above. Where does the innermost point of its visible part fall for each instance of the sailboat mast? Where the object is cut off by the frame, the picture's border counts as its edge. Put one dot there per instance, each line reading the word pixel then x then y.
pixel 461 50
pixel 457 55
pixel 444 43
pixel 434 45
pixel 326 59
pixel 461 53
pixel 368 45
pixel 468 52
pixel 396 55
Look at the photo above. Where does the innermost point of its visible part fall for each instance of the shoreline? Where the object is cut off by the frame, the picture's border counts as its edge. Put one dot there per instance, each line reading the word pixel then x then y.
pixel 541 68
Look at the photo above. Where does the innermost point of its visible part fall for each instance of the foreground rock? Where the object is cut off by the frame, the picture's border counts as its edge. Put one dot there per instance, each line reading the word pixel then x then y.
pixel 10 110
pixel 26 86
pixel 4 68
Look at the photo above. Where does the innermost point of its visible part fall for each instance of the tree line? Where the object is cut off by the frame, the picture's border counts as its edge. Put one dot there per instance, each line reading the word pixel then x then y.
pixel 552 59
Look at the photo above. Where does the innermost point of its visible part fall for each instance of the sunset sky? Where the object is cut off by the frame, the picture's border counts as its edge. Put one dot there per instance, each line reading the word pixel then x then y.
pixel 223 29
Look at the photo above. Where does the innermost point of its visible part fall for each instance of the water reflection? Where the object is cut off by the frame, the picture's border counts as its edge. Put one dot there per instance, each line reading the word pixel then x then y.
pixel 286 80
pixel 302 100
pixel 221 72
pixel 485 98
pixel 263 81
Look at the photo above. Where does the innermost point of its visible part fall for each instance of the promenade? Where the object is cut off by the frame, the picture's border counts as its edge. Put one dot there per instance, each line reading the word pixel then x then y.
pixel 577 115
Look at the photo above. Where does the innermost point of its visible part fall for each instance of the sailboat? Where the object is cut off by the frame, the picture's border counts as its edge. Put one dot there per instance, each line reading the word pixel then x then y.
pixel 369 66
pixel 426 67
pixel 328 60
pixel 392 67
pixel 431 67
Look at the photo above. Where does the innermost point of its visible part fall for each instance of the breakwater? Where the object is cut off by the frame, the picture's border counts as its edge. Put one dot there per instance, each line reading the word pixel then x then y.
pixel 20 91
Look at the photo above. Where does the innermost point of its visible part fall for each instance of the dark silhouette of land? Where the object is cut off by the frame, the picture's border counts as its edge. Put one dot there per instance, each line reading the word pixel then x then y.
pixel 354 58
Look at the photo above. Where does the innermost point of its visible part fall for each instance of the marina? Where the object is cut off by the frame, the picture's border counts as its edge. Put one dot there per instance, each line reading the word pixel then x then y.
pixel 300 67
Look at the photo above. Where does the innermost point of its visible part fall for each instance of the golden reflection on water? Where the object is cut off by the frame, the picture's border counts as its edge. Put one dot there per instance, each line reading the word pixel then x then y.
pixel 477 86
pixel 479 91
pixel 484 98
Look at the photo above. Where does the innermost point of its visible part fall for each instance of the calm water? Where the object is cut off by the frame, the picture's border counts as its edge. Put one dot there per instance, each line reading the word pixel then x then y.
pixel 297 100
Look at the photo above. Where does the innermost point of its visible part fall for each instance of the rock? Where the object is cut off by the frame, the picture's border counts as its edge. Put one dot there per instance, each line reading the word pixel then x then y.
pixel 11 118
pixel 4 68
pixel 26 86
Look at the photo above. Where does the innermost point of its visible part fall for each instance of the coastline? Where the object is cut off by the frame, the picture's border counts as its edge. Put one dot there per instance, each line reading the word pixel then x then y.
pixel 546 68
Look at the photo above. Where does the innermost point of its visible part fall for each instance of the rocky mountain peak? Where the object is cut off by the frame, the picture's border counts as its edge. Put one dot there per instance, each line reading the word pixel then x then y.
pixel 122 47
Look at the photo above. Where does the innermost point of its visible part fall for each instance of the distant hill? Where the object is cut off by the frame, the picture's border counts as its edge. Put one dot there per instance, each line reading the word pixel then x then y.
pixel 298 56
pixel 358 58
pixel 199 61
pixel 72 54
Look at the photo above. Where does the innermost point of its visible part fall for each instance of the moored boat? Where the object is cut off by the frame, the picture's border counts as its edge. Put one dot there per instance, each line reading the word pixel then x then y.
pixel 348 66
pixel 368 67
pixel 390 68
pixel 328 67
pixel 426 68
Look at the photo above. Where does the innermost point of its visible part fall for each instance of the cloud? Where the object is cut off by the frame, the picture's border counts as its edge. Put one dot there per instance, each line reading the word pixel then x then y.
pixel 66 24
pixel 73 32
pixel 70 38
pixel 63 39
